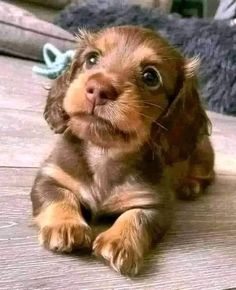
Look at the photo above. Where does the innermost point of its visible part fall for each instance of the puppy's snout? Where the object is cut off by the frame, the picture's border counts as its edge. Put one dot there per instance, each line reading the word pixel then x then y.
pixel 99 91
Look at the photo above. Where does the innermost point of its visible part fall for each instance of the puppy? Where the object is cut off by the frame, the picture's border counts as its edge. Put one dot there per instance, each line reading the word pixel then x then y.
pixel 132 132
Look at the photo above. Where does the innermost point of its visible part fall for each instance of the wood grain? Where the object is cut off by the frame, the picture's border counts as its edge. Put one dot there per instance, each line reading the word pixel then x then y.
pixel 199 251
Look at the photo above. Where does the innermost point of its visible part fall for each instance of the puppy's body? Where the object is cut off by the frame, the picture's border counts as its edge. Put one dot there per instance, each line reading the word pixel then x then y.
pixel 134 131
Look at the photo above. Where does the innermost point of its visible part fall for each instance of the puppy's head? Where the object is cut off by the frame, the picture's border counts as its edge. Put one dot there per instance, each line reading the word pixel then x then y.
pixel 122 82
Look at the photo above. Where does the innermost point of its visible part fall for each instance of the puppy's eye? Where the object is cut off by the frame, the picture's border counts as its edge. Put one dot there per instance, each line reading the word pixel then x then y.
pixel 92 59
pixel 151 77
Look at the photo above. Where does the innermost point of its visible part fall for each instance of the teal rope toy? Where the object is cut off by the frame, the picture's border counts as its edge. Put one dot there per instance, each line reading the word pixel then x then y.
pixel 56 61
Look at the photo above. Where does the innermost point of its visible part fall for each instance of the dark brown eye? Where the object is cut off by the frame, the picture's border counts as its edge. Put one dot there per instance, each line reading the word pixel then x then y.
pixel 92 59
pixel 151 77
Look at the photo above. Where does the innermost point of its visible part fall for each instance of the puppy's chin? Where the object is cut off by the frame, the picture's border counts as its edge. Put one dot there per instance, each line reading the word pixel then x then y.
pixel 99 131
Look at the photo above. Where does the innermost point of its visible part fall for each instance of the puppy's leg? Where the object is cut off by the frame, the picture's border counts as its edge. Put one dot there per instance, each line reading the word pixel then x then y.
pixel 62 228
pixel 200 172
pixel 145 216
pixel 58 215
pixel 124 245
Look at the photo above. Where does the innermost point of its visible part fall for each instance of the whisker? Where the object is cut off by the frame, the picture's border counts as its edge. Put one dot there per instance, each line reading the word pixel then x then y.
pixel 156 122
pixel 123 112
pixel 134 104
pixel 138 105
pixel 155 105
pixel 160 125
pixel 123 109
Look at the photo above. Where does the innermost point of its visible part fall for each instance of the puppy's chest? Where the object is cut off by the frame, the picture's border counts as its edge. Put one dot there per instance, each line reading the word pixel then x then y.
pixel 107 171
pixel 110 172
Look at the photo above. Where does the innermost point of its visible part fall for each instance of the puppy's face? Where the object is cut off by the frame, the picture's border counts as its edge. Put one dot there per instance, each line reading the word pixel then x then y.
pixel 122 80
pixel 127 86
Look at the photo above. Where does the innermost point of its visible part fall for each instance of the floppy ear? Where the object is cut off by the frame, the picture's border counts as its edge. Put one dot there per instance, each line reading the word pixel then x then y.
pixel 54 113
pixel 185 121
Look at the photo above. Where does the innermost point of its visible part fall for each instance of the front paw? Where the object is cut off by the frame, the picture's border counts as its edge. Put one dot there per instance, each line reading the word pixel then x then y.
pixel 66 236
pixel 119 252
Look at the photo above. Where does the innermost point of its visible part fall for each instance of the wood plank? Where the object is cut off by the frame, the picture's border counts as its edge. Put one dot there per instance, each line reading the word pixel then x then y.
pixel 24 138
pixel 16 177
pixel 223 133
pixel 197 253
pixel 20 88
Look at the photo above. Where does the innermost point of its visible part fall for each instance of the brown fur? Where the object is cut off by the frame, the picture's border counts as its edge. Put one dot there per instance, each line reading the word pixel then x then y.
pixel 125 243
pixel 123 155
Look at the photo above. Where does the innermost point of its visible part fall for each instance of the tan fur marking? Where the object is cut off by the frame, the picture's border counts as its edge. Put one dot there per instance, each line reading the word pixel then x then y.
pixel 74 100
pixel 76 189
pixel 108 41
pixel 125 199
pixel 62 228
pixel 143 52
pixel 63 178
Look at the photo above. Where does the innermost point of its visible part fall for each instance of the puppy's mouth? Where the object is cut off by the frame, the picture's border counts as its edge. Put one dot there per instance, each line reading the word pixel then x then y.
pixel 91 119
pixel 90 127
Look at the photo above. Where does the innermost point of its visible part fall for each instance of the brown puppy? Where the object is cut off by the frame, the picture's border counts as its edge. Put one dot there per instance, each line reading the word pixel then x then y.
pixel 133 130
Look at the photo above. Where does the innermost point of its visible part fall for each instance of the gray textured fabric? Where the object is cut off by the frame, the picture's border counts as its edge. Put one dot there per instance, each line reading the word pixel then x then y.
pixel 22 34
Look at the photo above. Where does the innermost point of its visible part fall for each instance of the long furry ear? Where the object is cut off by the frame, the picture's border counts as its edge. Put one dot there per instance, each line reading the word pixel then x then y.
pixel 186 121
pixel 54 113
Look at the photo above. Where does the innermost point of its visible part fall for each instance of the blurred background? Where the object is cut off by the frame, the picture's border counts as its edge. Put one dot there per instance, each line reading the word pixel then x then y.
pixel 47 10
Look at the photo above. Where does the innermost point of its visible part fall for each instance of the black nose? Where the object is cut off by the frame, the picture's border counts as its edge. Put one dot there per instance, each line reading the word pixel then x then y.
pixel 99 90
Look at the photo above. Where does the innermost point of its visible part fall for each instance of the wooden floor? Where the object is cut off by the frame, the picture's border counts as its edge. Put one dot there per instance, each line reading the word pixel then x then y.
pixel 199 252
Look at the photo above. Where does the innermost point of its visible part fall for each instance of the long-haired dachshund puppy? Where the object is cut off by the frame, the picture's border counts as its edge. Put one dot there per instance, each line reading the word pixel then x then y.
pixel 132 132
